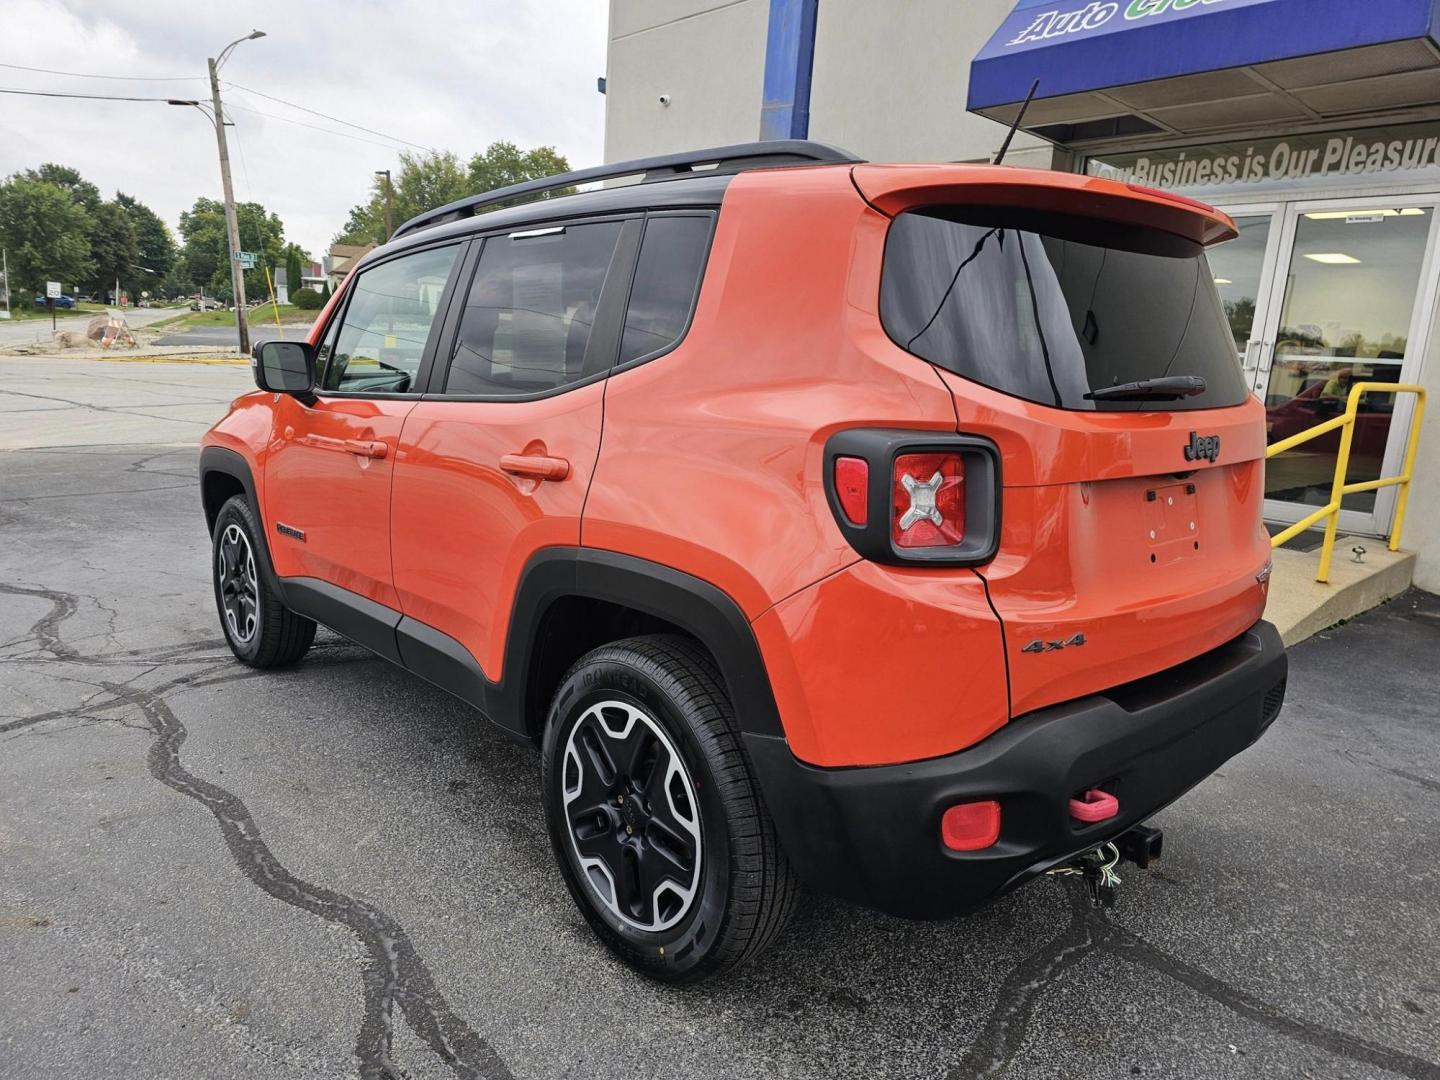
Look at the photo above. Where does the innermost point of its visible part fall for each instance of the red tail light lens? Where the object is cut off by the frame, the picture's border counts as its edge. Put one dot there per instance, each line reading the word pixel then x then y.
pixel 928 501
pixel 972 826
pixel 852 488
pixel 910 498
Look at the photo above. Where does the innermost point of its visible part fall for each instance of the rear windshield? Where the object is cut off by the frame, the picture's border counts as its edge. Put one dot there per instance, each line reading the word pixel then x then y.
pixel 1053 309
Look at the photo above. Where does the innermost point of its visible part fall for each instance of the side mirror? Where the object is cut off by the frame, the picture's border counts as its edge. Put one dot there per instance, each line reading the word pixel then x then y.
pixel 284 367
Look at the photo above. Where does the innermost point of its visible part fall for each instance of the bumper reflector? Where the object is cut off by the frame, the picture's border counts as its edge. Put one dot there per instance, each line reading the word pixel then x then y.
pixel 1093 806
pixel 971 826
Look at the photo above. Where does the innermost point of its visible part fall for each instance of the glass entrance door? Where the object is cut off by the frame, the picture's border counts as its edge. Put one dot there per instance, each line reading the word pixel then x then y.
pixel 1244 269
pixel 1349 304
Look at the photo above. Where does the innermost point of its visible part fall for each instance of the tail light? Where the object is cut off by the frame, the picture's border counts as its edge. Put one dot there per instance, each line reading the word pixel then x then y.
pixel 905 497
pixel 928 501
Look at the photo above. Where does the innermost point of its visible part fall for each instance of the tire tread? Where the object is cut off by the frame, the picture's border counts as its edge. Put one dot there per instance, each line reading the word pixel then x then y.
pixel 763 889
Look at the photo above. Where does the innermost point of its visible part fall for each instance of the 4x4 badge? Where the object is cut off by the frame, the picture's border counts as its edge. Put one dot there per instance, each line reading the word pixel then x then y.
pixel 1202 446
pixel 1054 646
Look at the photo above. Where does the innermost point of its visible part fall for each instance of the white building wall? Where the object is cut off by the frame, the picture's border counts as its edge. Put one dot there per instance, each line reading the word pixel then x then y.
pixel 707 56
pixel 889 83
pixel 1421 530
pixel 891 80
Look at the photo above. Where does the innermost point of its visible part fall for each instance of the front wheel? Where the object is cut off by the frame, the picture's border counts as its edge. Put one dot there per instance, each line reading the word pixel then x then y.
pixel 260 630
pixel 655 819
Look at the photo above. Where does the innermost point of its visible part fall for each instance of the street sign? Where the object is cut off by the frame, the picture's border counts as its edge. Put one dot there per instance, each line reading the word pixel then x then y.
pixel 52 290
pixel 246 259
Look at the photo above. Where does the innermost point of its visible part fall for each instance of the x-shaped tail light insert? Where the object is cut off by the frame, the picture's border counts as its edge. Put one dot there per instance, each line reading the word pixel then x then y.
pixel 922 501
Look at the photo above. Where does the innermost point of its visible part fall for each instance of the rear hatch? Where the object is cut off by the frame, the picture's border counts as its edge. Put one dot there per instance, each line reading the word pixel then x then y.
pixel 1077 325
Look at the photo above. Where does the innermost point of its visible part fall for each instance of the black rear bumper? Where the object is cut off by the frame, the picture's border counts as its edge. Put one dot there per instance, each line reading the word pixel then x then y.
pixel 872 835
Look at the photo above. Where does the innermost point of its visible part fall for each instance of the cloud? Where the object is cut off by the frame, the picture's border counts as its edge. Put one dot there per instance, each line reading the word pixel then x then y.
pixel 442 74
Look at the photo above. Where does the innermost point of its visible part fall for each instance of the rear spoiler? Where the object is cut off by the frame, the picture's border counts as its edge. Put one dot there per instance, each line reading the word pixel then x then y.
pixel 893 189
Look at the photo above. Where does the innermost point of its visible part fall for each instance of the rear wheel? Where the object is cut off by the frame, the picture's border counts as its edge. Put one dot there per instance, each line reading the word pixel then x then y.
pixel 260 630
pixel 655 819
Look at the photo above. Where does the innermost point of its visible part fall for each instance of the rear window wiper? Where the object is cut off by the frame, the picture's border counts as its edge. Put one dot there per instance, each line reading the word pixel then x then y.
pixel 1171 388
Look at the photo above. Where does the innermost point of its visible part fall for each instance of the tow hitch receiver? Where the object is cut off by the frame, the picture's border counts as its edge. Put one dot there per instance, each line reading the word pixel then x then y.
pixel 1140 845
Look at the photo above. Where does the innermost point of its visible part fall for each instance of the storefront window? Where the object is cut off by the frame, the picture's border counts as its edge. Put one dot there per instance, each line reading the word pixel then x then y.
pixel 1349 301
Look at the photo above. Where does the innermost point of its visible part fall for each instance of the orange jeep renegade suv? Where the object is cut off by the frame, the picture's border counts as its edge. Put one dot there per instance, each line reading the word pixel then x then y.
pixel 891 529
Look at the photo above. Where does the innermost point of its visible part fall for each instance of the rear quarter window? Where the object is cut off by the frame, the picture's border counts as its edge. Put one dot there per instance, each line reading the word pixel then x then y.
pixel 1053 310
pixel 667 279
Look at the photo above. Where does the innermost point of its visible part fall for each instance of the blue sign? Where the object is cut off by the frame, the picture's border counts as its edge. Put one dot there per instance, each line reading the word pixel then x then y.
pixel 1073 46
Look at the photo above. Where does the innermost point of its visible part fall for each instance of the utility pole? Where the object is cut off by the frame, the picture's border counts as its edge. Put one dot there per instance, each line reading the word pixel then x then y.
pixel 389 211
pixel 232 222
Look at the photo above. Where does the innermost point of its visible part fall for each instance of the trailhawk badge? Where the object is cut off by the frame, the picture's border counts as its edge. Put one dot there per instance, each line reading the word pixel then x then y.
pixel 1202 447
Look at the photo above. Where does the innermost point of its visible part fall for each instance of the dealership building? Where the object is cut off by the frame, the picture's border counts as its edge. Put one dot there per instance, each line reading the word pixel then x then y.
pixel 1314 123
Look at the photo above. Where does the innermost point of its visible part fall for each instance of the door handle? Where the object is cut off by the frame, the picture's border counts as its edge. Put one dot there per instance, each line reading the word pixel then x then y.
pixel 369 448
pixel 366 448
pixel 1245 363
pixel 535 466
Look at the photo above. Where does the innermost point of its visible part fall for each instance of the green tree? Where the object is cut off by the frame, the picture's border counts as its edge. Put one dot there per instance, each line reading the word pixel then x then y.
pixel 365 225
pixel 295 260
pixel 504 163
pixel 425 181
pixel 206 247
pixel 44 232
pixel 85 194
pixel 155 246
pixel 202 233
pixel 113 249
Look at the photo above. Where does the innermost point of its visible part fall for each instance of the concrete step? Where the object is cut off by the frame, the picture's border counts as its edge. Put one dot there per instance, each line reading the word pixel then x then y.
pixel 1300 606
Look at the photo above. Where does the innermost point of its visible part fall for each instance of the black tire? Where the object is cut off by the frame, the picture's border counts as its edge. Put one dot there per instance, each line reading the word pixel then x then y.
pixel 261 631
pixel 743 889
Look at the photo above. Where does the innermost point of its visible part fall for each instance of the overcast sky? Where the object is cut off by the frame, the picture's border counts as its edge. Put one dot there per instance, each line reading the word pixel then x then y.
pixel 443 74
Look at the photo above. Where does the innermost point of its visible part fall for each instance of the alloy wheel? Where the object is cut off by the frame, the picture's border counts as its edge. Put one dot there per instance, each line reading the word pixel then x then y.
pixel 239 585
pixel 632 816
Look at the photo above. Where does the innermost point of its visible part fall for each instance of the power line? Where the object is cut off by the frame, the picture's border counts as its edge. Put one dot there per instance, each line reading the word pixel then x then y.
pixel 333 119
pixel 313 127
pixel 90 97
pixel 122 78
pixel 243 108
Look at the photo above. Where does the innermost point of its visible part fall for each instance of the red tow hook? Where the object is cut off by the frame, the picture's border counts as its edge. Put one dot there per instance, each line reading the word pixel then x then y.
pixel 1095 805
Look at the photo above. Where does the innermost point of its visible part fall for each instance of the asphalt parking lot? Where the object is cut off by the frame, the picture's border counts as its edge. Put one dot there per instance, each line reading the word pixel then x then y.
pixel 338 870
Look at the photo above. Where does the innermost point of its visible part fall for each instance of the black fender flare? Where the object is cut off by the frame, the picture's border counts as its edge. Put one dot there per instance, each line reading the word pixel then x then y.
pixel 220 459
pixel 697 607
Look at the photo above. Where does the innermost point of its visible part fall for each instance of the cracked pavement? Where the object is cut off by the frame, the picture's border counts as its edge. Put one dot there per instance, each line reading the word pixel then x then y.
pixel 339 870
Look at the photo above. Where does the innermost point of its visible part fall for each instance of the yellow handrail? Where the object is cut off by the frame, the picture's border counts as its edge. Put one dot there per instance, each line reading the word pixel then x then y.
pixel 1339 489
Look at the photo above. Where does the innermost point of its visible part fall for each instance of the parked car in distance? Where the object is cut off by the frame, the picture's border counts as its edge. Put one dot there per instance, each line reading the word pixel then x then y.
pixel 208 303
pixel 894 530
pixel 60 301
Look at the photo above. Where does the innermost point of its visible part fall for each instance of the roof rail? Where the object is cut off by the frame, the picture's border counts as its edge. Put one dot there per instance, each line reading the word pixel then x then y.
pixel 718 160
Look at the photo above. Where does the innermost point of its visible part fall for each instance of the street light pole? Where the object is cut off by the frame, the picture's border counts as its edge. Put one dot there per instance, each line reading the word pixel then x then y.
pixel 232 222
pixel 389 196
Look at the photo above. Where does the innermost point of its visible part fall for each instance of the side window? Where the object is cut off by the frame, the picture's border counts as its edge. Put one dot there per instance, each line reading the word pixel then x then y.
pixel 667 278
pixel 528 315
pixel 386 324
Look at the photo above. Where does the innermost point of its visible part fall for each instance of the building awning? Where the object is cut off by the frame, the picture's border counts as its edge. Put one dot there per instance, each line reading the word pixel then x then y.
pixel 1113 69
